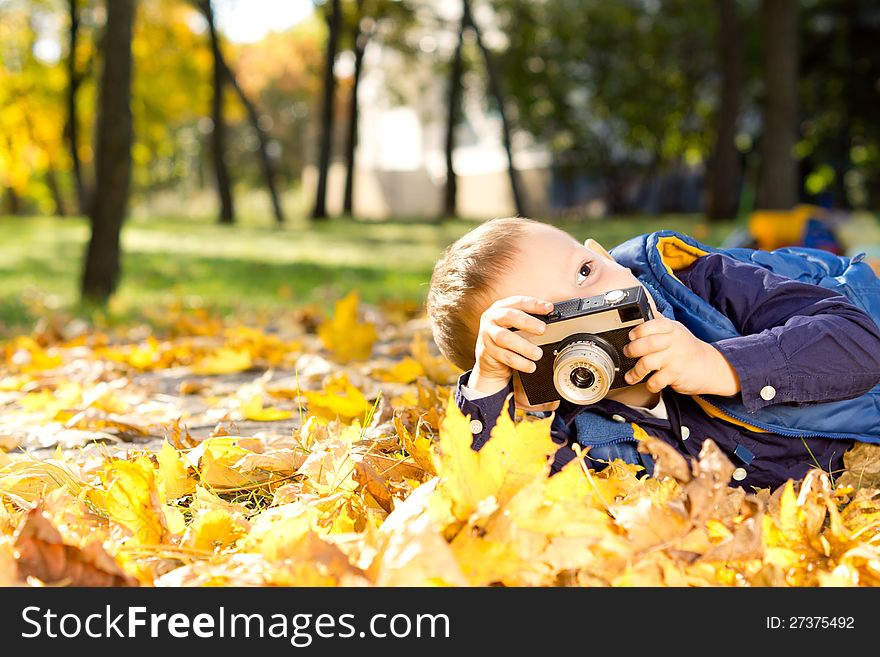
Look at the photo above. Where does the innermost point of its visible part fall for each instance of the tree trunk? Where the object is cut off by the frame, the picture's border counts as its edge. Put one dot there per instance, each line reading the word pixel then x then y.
pixel 777 185
pixel 495 90
pixel 55 190
pixel 453 113
pixel 333 16
pixel 266 164
pixel 360 45
pixel 218 133
pixel 112 156
pixel 74 79
pixel 724 173
pixel 13 202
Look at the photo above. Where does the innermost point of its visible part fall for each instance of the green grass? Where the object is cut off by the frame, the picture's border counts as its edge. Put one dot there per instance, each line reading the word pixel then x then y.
pixel 252 266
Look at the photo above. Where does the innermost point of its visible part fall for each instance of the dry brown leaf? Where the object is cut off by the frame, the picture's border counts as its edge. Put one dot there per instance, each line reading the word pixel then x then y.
pixel 366 475
pixel 862 462
pixel 43 554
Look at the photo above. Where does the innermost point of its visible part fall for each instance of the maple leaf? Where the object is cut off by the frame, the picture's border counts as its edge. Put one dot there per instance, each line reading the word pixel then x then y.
pixel 346 337
pixel 438 368
pixel 214 529
pixel 223 361
pixel 338 399
pixel 173 476
pixel 133 500
pixel 418 447
pixel 512 457
pixel 42 553
pixel 253 409
pixel 862 463
pixel 406 370
pixel 411 551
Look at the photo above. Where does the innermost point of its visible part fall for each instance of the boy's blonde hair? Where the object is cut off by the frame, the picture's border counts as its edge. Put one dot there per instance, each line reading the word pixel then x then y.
pixel 462 281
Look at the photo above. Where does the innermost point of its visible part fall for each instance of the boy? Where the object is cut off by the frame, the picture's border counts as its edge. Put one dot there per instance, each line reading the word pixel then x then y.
pixel 769 348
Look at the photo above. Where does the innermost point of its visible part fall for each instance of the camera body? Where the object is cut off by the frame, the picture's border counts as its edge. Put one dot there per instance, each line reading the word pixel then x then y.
pixel 583 346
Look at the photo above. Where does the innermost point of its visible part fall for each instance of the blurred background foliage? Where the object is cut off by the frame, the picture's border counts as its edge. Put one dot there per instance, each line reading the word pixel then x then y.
pixel 608 118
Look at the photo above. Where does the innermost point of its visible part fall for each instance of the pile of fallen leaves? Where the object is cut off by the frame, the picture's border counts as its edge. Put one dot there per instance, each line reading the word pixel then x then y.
pixel 371 481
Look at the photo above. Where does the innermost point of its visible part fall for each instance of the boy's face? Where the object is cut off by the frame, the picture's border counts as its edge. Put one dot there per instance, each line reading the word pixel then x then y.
pixel 553 266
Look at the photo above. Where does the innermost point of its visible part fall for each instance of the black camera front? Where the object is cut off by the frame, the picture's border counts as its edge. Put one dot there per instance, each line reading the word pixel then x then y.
pixel 583 347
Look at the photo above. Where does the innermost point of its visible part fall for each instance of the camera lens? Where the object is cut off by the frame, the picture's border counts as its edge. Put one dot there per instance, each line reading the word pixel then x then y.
pixel 584 369
pixel 582 377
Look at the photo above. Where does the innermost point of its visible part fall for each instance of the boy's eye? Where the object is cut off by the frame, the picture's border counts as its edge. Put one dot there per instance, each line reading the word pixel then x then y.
pixel 583 272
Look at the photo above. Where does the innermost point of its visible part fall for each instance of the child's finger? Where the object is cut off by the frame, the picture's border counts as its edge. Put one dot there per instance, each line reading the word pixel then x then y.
pixel 513 360
pixel 515 318
pixel 644 366
pixel 516 343
pixel 657 382
pixel 527 303
pixel 652 327
pixel 647 345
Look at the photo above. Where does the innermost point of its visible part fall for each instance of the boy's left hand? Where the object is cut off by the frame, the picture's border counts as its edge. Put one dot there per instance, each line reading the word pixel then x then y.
pixel 679 360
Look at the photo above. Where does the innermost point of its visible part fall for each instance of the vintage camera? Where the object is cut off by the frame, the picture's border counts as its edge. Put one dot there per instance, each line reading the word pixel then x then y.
pixel 583 347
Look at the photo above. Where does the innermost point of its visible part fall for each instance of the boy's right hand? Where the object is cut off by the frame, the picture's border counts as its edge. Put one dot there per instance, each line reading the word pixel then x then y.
pixel 500 351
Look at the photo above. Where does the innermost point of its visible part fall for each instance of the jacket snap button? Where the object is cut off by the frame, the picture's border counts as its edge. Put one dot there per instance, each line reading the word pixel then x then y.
pixel 618 418
pixel 685 432
pixel 476 426
pixel 739 474
pixel 768 393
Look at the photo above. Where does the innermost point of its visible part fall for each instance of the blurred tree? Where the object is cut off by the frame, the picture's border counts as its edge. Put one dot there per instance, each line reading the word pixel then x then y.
pixel 32 87
pixel 171 99
pixel 619 91
pixel 839 94
pixel 778 179
pixel 724 167
pixel 333 16
pixel 75 77
pixel 284 71
pixel 253 114
pixel 453 116
pixel 360 36
pixel 495 86
pixel 113 155
pixel 218 128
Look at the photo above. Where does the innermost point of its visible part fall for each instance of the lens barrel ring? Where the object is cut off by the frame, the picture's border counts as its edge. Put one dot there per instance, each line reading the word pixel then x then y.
pixel 582 354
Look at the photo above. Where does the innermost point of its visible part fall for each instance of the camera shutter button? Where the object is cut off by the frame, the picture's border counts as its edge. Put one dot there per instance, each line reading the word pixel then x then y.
pixel 613 296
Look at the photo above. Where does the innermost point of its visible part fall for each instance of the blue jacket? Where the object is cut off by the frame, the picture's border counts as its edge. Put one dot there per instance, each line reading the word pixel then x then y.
pixel 805 344
pixel 653 259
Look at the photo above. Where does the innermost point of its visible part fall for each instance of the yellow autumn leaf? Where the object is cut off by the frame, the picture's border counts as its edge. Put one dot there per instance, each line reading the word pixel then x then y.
pixel 214 529
pixel 276 531
pixel 174 519
pixel 418 447
pixel 253 409
pixel 514 455
pixel 406 370
pixel 344 335
pixel 173 475
pixel 217 463
pixel 339 399
pixel 438 368
pixel 223 361
pixel 133 500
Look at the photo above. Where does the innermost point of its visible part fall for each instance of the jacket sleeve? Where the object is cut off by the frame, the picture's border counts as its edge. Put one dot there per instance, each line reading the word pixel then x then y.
pixel 485 410
pixel 800 343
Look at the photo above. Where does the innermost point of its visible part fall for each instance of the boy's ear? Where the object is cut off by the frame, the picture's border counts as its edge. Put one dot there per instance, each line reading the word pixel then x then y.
pixel 595 247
